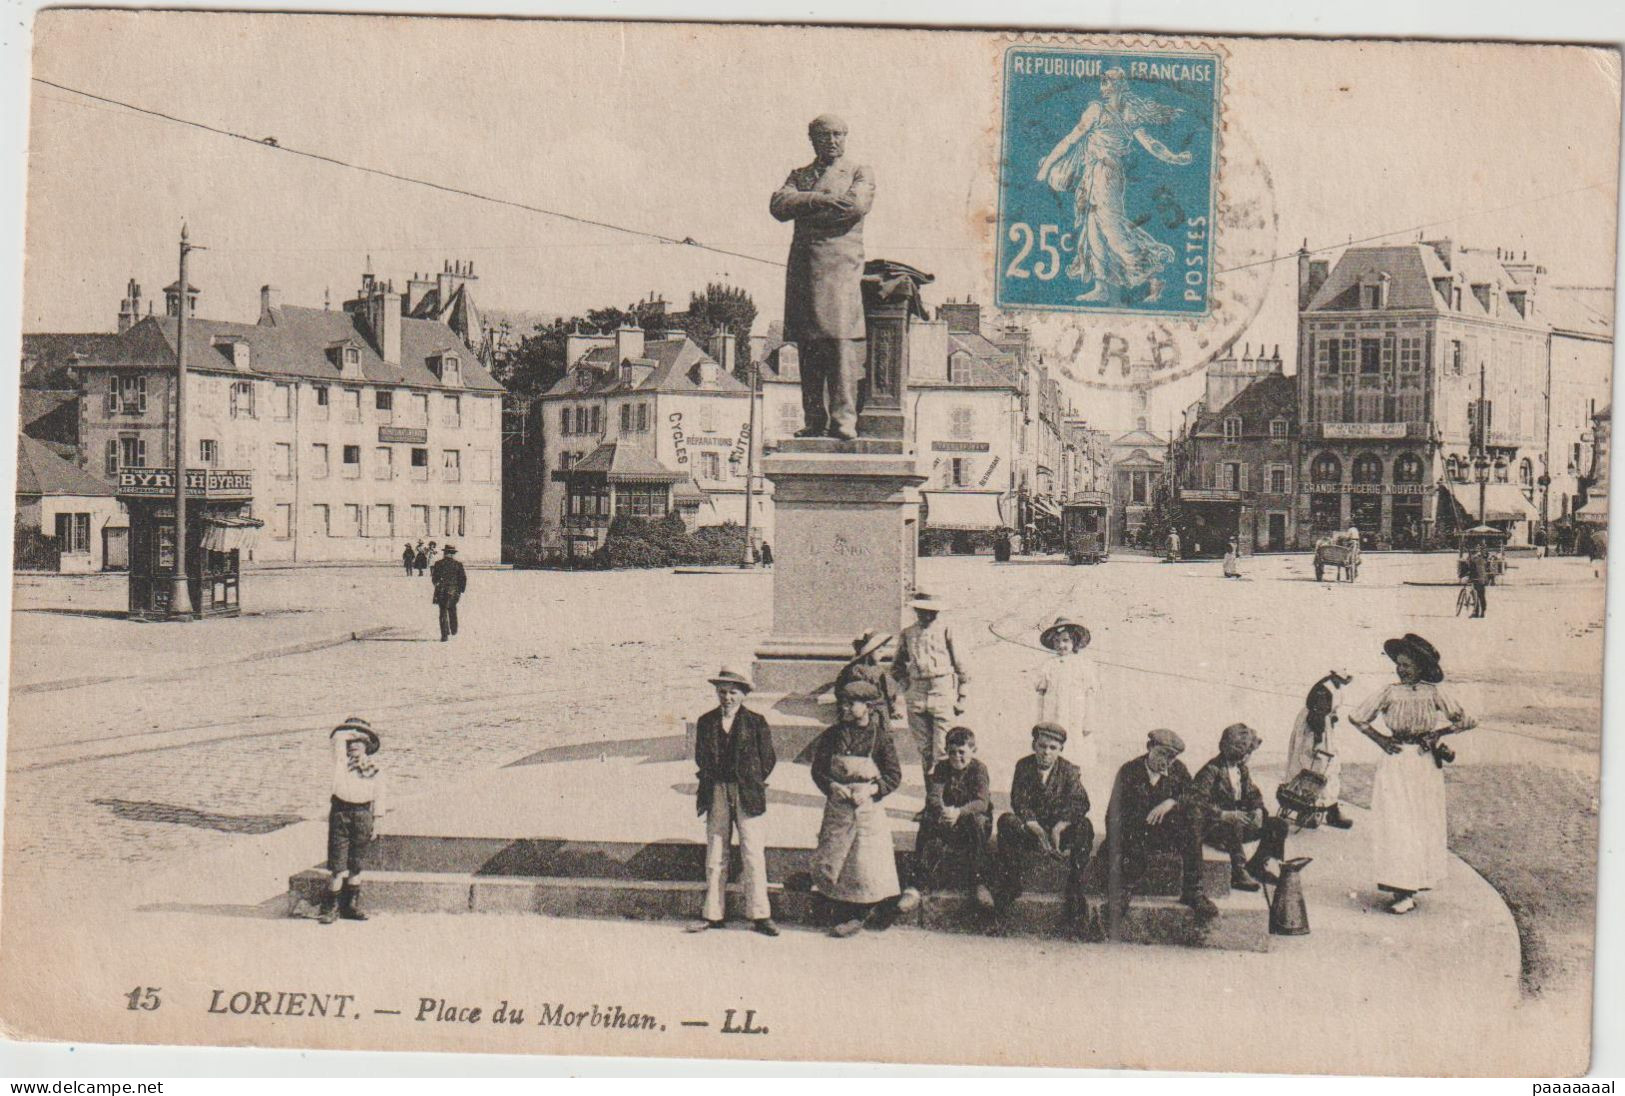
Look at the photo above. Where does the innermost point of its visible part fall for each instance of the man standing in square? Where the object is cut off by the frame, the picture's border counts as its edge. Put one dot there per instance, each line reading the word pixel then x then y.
pixel 933 678
pixel 823 295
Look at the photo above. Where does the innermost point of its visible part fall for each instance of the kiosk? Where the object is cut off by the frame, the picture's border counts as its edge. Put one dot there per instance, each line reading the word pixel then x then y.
pixel 218 528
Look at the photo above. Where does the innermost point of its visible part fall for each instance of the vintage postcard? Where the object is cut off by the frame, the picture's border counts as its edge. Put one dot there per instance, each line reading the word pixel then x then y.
pixel 810 543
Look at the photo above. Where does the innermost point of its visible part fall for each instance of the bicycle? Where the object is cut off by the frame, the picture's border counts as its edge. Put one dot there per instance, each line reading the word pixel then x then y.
pixel 1467 599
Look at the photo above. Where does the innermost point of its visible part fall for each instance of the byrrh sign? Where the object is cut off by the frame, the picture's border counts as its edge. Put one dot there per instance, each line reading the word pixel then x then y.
pixel 200 483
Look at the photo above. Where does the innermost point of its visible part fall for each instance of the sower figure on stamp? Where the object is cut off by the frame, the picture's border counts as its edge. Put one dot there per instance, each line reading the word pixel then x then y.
pixel 1148 814
pixel 1230 809
pixel 733 751
pixel 1093 162
pixel 823 296
pixel 933 679
pixel 450 581
pixel 1048 816
pixel 358 793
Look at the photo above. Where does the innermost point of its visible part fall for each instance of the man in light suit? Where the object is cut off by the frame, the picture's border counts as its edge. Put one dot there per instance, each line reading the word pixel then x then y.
pixel 733 751
pixel 823 296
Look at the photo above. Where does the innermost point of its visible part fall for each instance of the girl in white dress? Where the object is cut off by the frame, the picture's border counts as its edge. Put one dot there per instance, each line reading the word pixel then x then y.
pixel 1408 803
pixel 1067 690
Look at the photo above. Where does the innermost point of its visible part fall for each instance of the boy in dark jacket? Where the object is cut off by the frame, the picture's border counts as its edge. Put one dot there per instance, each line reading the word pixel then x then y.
pixel 733 751
pixel 1150 813
pixel 957 823
pixel 1230 809
pixel 1049 817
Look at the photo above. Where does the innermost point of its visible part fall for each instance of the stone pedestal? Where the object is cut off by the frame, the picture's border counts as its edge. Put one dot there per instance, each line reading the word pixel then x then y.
pixel 886 372
pixel 847 518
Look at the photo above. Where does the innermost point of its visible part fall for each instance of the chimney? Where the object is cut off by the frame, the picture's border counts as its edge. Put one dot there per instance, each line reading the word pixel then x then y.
pixel 628 343
pixel 383 312
pixel 1318 270
pixel 578 346
pixel 962 316
pixel 453 275
pixel 1446 250
pixel 417 288
pixel 129 309
pixel 270 304
pixel 722 350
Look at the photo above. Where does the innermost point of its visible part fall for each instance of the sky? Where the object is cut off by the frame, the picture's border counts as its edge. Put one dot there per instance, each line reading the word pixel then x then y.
pixel 684 131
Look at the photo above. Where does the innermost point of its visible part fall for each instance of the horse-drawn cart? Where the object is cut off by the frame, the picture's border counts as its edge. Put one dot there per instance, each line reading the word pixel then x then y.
pixel 1342 554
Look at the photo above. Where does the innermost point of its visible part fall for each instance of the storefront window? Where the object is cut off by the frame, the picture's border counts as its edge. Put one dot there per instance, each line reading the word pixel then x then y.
pixel 1326 469
pixel 1368 468
pixel 1408 468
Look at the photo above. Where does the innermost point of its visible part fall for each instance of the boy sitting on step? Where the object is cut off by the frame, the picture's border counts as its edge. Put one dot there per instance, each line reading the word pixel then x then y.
pixel 956 825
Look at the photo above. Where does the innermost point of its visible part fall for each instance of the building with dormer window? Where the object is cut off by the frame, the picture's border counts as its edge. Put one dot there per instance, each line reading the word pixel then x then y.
pixel 1395 346
pixel 364 428
pixel 679 422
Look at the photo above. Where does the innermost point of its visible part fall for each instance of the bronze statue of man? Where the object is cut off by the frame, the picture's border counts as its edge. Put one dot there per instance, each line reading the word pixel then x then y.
pixel 823 296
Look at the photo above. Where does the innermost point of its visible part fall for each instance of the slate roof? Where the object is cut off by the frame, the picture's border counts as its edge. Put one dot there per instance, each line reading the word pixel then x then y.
pixel 1411 270
pixel 990 367
pixel 47 356
pixel 676 369
pixel 296 345
pixel 42 472
pixel 621 463
pixel 1257 405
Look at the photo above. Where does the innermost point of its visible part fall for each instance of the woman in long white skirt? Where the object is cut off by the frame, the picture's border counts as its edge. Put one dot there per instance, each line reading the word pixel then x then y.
pixel 1408 802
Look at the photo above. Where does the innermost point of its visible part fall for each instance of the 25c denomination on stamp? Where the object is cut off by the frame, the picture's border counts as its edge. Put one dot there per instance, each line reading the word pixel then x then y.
pixel 1107 180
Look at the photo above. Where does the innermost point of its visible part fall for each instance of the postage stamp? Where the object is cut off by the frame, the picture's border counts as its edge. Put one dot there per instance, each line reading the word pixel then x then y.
pixel 1107 180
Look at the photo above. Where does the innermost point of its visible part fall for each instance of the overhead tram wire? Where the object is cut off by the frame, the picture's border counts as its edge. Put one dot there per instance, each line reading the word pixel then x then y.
pixel 276 146
pixel 688 241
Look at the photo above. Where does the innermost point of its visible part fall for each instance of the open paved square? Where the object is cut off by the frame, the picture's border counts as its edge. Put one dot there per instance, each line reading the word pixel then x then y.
pixel 167 779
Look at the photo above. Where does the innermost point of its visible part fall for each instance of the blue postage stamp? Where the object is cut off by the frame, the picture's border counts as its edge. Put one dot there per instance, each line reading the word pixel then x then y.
pixel 1107 178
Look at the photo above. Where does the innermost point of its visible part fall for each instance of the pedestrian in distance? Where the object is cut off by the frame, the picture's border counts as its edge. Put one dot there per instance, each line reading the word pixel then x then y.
pixel 1232 568
pixel 357 804
pixel 933 678
pixel 854 763
pixel 409 558
pixel 1408 801
pixel 450 582
pixel 767 555
pixel 733 753
pixel 421 558
pixel 1478 573
pixel 1171 551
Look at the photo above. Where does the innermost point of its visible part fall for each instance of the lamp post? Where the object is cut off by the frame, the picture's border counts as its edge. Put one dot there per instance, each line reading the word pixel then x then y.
pixel 180 592
pixel 1481 472
pixel 750 467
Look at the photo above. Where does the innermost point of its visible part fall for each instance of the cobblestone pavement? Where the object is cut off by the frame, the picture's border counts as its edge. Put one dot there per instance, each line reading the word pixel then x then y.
pixel 130 744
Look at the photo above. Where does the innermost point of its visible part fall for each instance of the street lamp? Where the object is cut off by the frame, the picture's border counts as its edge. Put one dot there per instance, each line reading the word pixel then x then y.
pixel 1481 473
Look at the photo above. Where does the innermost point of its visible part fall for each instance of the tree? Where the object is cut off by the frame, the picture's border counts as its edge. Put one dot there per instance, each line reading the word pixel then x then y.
pixel 539 361
pixel 722 307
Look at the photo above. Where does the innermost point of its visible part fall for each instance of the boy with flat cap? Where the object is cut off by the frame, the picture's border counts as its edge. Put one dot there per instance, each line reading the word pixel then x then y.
pixel 733 751
pixel 358 790
pixel 958 821
pixel 1230 809
pixel 1148 814
pixel 1048 817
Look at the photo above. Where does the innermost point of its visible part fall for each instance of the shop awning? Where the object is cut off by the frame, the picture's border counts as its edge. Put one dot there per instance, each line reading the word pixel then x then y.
pixel 1502 502
pixel 1046 506
pixel 967 511
pixel 1594 512
pixel 229 534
